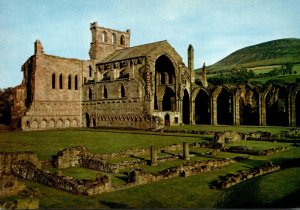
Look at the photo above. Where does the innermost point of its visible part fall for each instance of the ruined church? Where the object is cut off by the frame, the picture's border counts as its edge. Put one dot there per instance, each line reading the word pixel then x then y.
pixel 146 86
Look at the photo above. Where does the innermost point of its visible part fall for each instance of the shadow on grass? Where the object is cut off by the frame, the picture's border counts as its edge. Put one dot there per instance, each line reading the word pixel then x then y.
pixel 114 204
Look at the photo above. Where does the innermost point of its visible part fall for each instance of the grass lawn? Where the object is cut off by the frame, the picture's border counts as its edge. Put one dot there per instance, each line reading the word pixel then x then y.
pixel 279 189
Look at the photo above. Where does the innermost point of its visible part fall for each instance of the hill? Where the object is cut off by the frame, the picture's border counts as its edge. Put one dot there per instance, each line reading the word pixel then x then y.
pixel 270 53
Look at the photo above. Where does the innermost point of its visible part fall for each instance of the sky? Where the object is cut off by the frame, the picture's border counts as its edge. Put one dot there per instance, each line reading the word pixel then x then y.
pixel 215 28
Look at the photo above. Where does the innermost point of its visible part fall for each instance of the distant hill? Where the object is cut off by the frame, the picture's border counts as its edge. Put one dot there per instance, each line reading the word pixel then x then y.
pixel 270 53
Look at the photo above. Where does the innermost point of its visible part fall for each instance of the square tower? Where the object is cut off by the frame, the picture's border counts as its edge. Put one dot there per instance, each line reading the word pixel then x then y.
pixel 105 41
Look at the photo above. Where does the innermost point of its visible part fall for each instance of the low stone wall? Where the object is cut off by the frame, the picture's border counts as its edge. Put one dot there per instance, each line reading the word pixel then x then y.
pixel 243 176
pixel 23 203
pixel 98 164
pixel 70 157
pixel 228 137
pixel 27 170
pixel 188 131
pixel 10 185
pixel 249 151
pixel 139 176
pixel 7 159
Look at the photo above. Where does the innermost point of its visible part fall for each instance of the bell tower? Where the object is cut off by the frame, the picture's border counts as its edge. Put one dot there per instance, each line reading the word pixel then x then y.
pixel 105 41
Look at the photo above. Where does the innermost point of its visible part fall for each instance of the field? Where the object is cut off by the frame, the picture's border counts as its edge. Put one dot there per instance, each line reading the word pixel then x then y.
pixel 279 189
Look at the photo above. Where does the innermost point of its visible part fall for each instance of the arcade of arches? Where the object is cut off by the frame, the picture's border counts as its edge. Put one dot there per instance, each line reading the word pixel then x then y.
pixel 275 105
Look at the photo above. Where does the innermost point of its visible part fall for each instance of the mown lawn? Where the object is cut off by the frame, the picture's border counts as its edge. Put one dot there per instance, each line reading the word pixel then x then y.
pixel 279 189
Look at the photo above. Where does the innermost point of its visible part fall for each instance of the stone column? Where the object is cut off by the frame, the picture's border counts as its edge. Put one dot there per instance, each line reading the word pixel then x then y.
pixel 262 111
pixel 186 151
pixel 192 111
pixel 236 111
pixel 213 106
pixel 153 155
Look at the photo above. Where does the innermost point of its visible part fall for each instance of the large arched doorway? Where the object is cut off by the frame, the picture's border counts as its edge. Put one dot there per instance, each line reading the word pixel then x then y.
pixel 202 108
pixel 277 107
pixel 298 109
pixel 186 108
pixel 225 108
pixel 87 119
pixel 164 76
pixel 249 108
pixel 168 103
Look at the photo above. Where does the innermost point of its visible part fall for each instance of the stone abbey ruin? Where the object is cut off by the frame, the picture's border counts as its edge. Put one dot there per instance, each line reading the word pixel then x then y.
pixel 146 86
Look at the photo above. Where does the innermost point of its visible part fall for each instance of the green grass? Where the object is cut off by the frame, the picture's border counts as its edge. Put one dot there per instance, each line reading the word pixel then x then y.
pixel 47 143
pixel 272 129
pixel 276 189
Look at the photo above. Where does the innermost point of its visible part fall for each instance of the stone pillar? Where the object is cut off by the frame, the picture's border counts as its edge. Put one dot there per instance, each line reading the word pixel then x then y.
pixel 153 156
pixel 236 111
pixel 262 111
pixel 213 106
pixel 192 111
pixel 186 151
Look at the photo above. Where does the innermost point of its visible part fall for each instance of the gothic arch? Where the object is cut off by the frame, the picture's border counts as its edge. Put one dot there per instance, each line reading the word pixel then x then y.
pixel 70 82
pixel 225 106
pixel 186 107
pixel 201 98
pixel 104 37
pixel 105 92
pixel 51 123
pixel 60 81
pixel 122 91
pixel 76 82
pixel 53 81
pixel 122 40
pixel 87 120
pixel 168 100
pixel 59 123
pixel 276 103
pixel 90 94
pixel 113 38
pixel 249 106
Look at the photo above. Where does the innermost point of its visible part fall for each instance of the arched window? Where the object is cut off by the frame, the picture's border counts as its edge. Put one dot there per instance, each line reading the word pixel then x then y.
pixel 76 82
pixel 90 94
pixel 122 91
pixel 122 40
pixel 69 82
pixel 90 71
pixel 60 81
pixel 104 37
pixel 53 81
pixel 113 38
pixel 105 92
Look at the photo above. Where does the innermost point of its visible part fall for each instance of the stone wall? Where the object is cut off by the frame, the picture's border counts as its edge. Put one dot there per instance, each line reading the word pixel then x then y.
pixel 7 159
pixel 249 151
pixel 27 170
pixel 139 176
pixel 244 175
pixel 23 203
pixel 10 185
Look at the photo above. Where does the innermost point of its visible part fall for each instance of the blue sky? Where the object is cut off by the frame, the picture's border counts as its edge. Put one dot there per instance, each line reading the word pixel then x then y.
pixel 215 28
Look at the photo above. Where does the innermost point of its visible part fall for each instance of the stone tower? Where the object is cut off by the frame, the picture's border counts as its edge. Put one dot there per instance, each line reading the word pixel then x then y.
pixel 191 62
pixel 105 41
pixel 38 47
pixel 204 78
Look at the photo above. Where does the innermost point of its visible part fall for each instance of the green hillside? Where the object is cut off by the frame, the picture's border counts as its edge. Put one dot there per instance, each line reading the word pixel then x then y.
pixel 270 53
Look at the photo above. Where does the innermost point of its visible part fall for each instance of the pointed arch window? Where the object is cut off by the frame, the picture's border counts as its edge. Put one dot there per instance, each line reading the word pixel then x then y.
pixel 105 95
pixel 76 82
pixel 69 82
pixel 122 91
pixel 104 37
pixel 90 71
pixel 122 40
pixel 53 81
pixel 60 81
pixel 90 94
pixel 113 38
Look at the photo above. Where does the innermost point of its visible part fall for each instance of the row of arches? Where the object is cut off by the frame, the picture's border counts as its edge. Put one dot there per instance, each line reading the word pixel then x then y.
pixel 104 93
pixel 50 123
pixel 61 83
pixel 274 106
pixel 91 120
pixel 113 38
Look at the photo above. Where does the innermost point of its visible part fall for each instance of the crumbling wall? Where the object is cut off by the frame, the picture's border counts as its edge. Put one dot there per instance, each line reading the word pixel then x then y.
pixel 7 159
pixel 27 170
pixel 10 185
